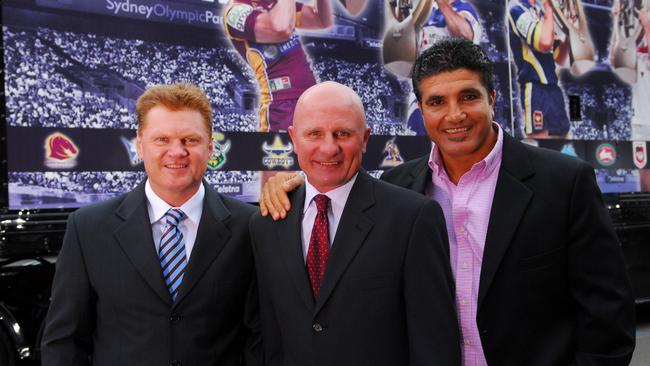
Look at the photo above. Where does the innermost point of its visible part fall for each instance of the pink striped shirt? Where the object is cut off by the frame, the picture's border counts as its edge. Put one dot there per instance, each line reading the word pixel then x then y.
pixel 467 212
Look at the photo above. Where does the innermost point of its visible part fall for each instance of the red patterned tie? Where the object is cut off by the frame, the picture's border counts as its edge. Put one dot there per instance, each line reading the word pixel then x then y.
pixel 318 245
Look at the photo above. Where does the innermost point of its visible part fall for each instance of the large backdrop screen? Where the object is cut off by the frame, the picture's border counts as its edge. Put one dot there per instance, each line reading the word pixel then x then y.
pixel 74 69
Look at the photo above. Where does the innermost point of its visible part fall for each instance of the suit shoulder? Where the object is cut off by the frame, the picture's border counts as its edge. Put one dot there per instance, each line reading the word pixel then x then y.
pixel 260 226
pixel 98 211
pixel 399 171
pixel 385 191
pixel 551 170
pixel 237 207
pixel 259 222
pixel 546 159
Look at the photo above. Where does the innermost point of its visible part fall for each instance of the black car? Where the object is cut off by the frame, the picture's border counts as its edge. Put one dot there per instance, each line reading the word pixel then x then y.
pixel 29 243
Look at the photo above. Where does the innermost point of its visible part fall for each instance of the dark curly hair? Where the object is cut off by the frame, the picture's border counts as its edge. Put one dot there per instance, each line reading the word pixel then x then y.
pixel 450 54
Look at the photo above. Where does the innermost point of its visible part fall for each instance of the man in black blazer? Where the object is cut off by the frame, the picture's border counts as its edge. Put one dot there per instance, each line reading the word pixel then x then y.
pixel 549 280
pixel 136 284
pixel 372 287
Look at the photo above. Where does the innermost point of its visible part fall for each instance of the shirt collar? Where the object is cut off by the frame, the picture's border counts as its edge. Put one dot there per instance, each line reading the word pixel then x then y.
pixel 157 207
pixel 338 196
pixel 485 166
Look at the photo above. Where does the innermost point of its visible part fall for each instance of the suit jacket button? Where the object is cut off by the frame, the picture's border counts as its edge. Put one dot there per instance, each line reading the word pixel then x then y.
pixel 317 328
pixel 174 318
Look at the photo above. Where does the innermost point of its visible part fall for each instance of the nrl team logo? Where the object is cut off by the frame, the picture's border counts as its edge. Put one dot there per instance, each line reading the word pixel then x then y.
pixel 640 154
pixel 606 154
pixel 60 151
pixel 129 145
pixel 277 154
pixel 568 149
pixel 221 146
pixel 538 119
pixel 393 157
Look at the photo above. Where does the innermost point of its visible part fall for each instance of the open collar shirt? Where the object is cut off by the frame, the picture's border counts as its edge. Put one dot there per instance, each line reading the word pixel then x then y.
pixel 466 207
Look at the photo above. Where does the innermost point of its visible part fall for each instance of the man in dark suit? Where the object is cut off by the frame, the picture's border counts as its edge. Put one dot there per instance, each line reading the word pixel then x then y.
pixel 358 273
pixel 540 277
pixel 158 276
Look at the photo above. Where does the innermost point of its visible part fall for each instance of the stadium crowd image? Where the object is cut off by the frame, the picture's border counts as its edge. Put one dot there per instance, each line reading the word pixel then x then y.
pixel 325 182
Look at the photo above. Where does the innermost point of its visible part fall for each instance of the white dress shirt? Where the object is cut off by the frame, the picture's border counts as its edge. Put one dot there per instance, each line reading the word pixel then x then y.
pixel 338 197
pixel 193 208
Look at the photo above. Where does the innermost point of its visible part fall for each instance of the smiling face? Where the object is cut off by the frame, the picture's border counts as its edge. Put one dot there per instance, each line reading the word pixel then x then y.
pixel 458 111
pixel 329 134
pixel 175 147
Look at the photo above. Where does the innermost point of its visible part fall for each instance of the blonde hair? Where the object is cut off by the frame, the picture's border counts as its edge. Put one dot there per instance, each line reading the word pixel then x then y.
pixel 174 97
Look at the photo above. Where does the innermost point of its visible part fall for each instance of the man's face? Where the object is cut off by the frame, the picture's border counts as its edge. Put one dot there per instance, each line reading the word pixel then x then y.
pixel 175 147
pixel 329 139
pixel 458 111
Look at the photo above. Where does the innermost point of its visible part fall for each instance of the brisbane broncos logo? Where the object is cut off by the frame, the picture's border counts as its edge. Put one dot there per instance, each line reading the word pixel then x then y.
pixel 60 151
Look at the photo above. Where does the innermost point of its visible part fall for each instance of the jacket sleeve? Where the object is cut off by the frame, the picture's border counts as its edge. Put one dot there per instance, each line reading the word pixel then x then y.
pixel 253 353
pixel 432 323
pixel 70 321
pixel 268 350
pixel 605 325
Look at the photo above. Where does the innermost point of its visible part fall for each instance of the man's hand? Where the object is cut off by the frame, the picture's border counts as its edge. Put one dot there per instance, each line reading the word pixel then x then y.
pixel 277 24
pixel 457 24
pixel 317 16
pixel 273 198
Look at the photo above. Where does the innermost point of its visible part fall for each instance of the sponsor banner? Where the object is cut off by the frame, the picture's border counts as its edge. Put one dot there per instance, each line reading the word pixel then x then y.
pixel 193 13
pixel 384 152
pixel 609 154
pixel 114 150
pixel 59 149
pixel 615 179
pixel 229 189
pixel 93 149
pixel 600 154
pixel 618 180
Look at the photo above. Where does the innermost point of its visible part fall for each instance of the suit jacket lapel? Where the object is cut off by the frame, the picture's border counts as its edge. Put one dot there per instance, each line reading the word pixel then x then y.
pixel 135 237
pixel 212 235
pixel 511 198
pixel 350 235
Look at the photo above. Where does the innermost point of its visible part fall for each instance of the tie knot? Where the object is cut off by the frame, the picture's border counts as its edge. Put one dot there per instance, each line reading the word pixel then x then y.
pixel 174 216
pixel 321 202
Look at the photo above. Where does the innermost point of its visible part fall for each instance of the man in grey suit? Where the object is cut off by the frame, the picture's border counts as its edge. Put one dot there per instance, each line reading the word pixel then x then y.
pixel 160 275
pixel 358 273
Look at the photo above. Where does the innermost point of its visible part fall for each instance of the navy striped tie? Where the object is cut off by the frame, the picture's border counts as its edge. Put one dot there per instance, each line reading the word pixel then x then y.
pixel 172 251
